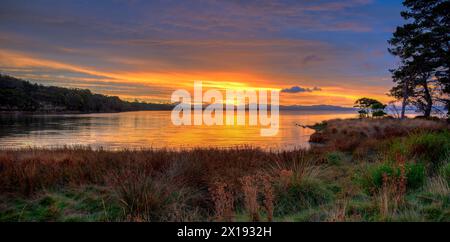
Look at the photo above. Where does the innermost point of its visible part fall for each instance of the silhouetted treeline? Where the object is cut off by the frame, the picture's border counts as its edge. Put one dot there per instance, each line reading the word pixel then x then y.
pixel 20 95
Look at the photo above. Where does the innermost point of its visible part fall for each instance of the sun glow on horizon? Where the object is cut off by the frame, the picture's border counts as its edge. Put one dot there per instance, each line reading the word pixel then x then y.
pixel 167 82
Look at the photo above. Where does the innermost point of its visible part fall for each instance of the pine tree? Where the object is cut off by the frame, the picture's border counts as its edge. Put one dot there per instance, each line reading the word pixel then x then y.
pixel 422 44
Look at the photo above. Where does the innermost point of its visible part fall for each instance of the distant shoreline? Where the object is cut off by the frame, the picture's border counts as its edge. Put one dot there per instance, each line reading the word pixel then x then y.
pixel 78 112
pixel 69 112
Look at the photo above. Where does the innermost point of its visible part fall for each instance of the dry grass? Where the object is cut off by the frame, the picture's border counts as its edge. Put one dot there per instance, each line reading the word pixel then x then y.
pixel 437 185
pixel 354 134
pixel 154 185
pixel 250 190
pixel 223 199
pixel 391 195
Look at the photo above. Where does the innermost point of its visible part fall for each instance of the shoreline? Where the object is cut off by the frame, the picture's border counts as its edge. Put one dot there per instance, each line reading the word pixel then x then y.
pixel 68 112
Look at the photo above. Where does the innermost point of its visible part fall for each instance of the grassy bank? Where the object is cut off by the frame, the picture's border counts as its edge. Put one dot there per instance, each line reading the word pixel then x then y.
pixel 371 170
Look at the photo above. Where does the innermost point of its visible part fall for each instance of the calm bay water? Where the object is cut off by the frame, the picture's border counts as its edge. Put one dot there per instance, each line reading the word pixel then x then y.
pixel 150 129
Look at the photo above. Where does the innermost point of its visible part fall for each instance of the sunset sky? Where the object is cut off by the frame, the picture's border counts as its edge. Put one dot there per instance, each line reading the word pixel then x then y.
pixel 319 52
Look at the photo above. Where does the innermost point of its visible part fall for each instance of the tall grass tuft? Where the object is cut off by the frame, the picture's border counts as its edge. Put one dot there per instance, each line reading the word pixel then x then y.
pixel 223 199
pixel 250 191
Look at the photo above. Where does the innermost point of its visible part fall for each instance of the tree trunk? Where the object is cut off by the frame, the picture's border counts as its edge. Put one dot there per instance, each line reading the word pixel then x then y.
pixel 428 100
pixel 405 99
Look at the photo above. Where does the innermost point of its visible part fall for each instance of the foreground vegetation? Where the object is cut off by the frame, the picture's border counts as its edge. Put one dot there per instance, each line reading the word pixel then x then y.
pixel 378 170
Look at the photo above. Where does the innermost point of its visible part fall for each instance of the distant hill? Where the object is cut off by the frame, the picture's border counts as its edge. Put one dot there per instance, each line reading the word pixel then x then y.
pixel 20 95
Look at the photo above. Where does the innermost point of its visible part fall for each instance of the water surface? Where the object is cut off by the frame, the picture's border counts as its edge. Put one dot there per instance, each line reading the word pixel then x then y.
pixel 151 129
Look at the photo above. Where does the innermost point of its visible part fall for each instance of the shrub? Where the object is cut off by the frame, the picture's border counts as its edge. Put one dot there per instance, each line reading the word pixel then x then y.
pixel 432 148
pixel 373 178
pixel 415 172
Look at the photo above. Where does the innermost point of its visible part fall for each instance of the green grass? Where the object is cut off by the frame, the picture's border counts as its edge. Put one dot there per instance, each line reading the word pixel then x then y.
pixel 81 204
pixel 433 207
pixel 372 178
pixel 335 158
pixel 432 148
pixel 300 195
pixel 445 172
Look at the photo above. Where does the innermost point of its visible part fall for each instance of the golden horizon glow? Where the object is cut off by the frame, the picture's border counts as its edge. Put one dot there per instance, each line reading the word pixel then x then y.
pixel 171 81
